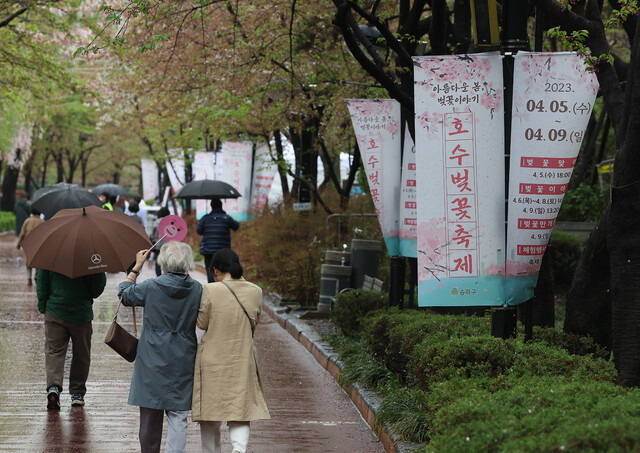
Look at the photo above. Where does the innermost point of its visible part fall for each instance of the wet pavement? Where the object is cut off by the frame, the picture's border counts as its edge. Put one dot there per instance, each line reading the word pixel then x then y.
pixel 309 410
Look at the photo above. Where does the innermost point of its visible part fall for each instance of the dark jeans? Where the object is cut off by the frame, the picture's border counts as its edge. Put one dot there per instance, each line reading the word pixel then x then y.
pixel 207 265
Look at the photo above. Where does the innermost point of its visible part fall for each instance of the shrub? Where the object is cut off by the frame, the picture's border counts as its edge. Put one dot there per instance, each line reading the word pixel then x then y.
pixel 465 357
pixel 7 221
pixel 585 203
pixel 350 307
pixel 572 343
pixel 551 414
pixel 564 250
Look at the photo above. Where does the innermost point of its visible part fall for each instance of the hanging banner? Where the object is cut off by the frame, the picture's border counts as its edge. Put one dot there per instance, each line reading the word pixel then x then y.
pixel 460 179
pixel 264 170
pixel 553 96
pixel 376 123
pixel 408 231
pixel 150 189
pixel 236 170
pixel 203 167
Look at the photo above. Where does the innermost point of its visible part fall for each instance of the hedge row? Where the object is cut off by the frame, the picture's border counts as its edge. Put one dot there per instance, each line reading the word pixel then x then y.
pixel 448 384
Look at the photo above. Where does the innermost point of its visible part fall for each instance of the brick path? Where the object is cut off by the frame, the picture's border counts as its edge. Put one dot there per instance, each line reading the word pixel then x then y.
pixel 310 412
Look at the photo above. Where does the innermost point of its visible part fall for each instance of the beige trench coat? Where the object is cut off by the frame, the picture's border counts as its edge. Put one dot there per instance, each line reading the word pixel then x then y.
pixel 226 383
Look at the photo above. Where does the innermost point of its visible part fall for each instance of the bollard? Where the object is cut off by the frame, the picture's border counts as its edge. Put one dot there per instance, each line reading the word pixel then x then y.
pixel 333 278
pixel 365 260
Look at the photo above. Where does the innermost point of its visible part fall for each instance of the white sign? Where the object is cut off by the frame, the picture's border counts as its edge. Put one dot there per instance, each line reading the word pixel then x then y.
pixel 460 179
pixel 236 170
pixel 376 123
pixel 553 98
pixel 264 171
pixel 150 187
pixel 302 206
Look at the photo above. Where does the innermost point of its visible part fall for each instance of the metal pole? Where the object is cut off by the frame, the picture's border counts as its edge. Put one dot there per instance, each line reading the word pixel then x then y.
pixel 514 38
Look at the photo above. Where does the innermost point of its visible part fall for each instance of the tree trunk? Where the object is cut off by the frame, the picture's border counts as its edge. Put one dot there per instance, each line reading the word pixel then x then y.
pixel 588 310
pixel 9 184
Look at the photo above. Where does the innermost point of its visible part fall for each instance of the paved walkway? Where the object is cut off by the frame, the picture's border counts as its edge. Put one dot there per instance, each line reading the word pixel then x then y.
pixel 310 412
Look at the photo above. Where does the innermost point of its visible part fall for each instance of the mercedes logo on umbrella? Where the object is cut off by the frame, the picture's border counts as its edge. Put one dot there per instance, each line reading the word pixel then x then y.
pixel 96 259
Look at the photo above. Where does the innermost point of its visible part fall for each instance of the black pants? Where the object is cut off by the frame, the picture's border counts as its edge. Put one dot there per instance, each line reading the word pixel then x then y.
pixel 207 264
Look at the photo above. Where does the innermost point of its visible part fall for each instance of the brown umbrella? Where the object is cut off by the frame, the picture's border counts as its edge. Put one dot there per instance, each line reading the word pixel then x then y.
pixel 83 241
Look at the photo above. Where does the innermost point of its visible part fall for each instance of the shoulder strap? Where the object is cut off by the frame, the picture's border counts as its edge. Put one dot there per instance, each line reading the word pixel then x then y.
pixel 251 320
pixel 133 310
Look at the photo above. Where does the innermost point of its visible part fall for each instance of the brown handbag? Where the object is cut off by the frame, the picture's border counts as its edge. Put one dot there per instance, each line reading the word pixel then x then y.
pixel 120 340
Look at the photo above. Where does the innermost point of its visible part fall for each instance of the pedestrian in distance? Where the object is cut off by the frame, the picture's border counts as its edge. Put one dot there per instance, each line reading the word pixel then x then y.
pixel 27 227
pixel 162 380
pixel 162 212
pixel 21 209
pixel 106 203
pixel 227 385
pixel 67 305
pixel 134 208
pixel 215 229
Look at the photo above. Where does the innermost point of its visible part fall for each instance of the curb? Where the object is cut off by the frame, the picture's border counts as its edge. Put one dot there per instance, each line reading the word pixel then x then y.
pixel 367 401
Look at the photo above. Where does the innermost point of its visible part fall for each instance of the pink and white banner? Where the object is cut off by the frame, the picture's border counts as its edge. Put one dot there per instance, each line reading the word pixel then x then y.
pixel 236 163
pixel 553 98
pixel 376 123
pixel 150 189
pixel 408 230
pixel 459 108
pixel 203 167
pixel 264 170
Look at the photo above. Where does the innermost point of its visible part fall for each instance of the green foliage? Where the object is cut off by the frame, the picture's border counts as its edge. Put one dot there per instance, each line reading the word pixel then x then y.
pixel 583 204
pixel 351 306
pixel 467 391
pixel 7 221
pixel 564 250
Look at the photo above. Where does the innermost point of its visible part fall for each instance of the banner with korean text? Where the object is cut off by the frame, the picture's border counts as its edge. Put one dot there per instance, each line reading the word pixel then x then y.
pixel 553 96
pixel 376 123
pixel 459 108
pixel 203 167
pixel 150 189
pixel 408 230
pixel 264 170
pixel 236 170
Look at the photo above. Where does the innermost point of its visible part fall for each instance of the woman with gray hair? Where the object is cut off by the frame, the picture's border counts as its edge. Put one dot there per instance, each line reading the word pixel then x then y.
pixel 162 379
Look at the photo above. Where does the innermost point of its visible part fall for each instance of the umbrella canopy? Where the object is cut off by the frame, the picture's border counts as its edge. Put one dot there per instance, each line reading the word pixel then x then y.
pixel 84 241
pixel 73 196
pixel 207 189
pixel 113 190
pixel 52 188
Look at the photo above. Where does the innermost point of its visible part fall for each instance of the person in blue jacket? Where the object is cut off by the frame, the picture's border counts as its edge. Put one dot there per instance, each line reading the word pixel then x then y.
pixel 215 229
pixel 162 379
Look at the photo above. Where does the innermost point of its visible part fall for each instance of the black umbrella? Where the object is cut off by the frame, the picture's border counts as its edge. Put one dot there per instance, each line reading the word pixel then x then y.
pixel 206 189
pixel 113 190
pixel 59 186
pixel 70 197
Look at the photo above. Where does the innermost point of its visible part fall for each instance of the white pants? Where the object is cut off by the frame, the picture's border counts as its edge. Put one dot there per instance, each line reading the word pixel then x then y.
pixel 176 431
pixel 238 433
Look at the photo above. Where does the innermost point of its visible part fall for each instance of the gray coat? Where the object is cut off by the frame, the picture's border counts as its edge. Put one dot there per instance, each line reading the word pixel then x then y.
pixel 163 371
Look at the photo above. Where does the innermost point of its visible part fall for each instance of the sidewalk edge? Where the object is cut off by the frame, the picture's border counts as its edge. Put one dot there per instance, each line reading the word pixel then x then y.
pixel 367 401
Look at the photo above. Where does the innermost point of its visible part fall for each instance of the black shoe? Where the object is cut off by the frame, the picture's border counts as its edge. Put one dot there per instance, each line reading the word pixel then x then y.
pixel 77 399
pixel 53 398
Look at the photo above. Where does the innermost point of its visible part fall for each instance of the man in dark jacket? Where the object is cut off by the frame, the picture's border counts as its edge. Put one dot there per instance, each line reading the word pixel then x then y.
pixel 215 231
pixel 67 305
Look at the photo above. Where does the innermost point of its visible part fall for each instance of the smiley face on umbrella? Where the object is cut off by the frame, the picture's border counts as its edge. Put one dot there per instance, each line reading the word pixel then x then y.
pixel 172 228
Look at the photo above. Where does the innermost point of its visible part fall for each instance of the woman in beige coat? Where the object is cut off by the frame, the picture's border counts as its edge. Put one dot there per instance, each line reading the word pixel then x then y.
pixel 226 385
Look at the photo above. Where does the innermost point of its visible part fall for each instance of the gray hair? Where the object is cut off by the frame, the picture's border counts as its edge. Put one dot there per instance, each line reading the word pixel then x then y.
pixel 176 256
